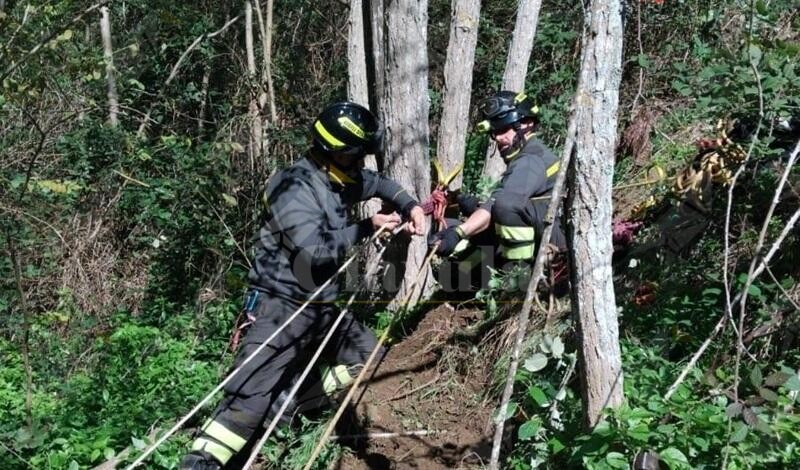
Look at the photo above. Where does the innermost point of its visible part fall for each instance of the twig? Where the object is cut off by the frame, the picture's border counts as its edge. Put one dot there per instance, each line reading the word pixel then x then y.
pixel 783 291
pixel 15 454
pixel 10 69
pixel 16 31
pixel 131 179
pixel 175 68
pixel 414 390
pixel 784 233
pixel 641 53
pixel 384 435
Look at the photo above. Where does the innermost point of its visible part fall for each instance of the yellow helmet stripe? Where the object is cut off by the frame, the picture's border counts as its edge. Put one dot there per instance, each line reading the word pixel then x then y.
pixel 327 135
pixel 345 122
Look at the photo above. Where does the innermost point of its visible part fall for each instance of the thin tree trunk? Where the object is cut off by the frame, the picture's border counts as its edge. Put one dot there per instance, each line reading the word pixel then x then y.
pixel 108 57
pixel 589 206
pixel 458 84
pixel 519 54
pixel 201 122
pixel 254 146
pixel 2 5
pixel 260 89
pixel 273 114
pixel 406 115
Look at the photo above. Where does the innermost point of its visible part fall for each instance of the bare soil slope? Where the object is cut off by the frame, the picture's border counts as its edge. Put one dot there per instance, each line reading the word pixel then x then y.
pixel 424 384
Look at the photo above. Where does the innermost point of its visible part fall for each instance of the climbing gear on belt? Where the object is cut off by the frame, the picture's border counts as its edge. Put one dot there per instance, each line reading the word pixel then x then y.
pixel 347 128
pixel 245 318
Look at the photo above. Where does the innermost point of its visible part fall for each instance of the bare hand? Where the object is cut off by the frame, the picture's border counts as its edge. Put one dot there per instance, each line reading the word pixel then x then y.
pixel 416 224
pixel 390 220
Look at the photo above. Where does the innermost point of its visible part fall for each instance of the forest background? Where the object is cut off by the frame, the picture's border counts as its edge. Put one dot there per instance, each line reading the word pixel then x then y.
pixel 127 224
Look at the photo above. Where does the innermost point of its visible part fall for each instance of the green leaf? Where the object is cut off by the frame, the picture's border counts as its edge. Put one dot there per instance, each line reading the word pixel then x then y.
pixel 73 465
pixel 229 200
pixel 557 348
pixel 761 8
pixel 740 433
pixel 776 379
pixel 529 429
pixel 616 460
pixel 755 54
pixel 535 363
pixel 674 458
pixel 538 395
pixel 754 290
pixel 138 443
pixel 755 377
pixel 555 445
pixel 733 410
pixel 793 383
pixel 768 394
pixel 640 432
pixel 503 414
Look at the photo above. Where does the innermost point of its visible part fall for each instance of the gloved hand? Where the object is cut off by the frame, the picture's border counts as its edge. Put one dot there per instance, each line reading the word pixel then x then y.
pixel 447 239
pixel 467 203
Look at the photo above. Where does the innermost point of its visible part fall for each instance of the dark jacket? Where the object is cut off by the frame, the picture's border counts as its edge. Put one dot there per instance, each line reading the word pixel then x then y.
pixel 306 234
pixel 531 173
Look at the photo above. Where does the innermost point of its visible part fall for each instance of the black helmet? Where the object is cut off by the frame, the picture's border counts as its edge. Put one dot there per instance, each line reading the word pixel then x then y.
pixel 348 128
pixel 504 109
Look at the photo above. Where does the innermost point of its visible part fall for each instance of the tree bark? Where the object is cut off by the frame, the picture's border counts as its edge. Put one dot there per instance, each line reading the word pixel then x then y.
pixel 519 54
pixel 254 144
pixel 406 116
pixel 589 211
pixel 458 85
pixel 108 57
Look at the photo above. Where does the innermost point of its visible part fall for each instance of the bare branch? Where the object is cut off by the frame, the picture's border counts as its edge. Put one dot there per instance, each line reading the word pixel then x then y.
pixel 175 68
pixel 14 65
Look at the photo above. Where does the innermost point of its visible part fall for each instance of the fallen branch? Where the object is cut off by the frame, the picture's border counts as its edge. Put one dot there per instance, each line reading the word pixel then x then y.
pixel 384 435
pixel 413 390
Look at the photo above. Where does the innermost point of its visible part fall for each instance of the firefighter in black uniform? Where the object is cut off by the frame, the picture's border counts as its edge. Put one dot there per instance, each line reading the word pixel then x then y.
pixel 510 119
pixel 303 242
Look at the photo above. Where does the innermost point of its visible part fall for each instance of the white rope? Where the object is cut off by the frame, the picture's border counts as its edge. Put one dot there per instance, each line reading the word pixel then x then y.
pixel 254 453
pixel 260 348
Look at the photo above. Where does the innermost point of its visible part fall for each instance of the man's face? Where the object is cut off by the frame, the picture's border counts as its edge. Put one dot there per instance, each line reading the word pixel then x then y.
pixel 348 163
pixel 503 137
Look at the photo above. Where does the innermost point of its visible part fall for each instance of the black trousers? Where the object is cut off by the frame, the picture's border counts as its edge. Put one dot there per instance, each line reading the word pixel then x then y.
pixel 258 387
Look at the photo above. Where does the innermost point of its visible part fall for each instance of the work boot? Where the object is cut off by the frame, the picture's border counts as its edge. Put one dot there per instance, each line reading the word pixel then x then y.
pixel 199 460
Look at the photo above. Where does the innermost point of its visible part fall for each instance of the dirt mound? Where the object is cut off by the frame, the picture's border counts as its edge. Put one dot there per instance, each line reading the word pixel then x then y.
pixel 429 393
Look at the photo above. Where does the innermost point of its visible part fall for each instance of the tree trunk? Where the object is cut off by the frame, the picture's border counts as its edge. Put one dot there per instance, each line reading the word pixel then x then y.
pixel 254 140
pixel 108 57
pixel 458 85
pixel 406 116
pixel 358 91
pixel 519 54
pixel 589 206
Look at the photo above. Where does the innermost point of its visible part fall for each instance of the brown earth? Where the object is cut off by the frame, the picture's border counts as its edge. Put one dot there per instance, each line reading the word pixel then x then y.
pixel 424 384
